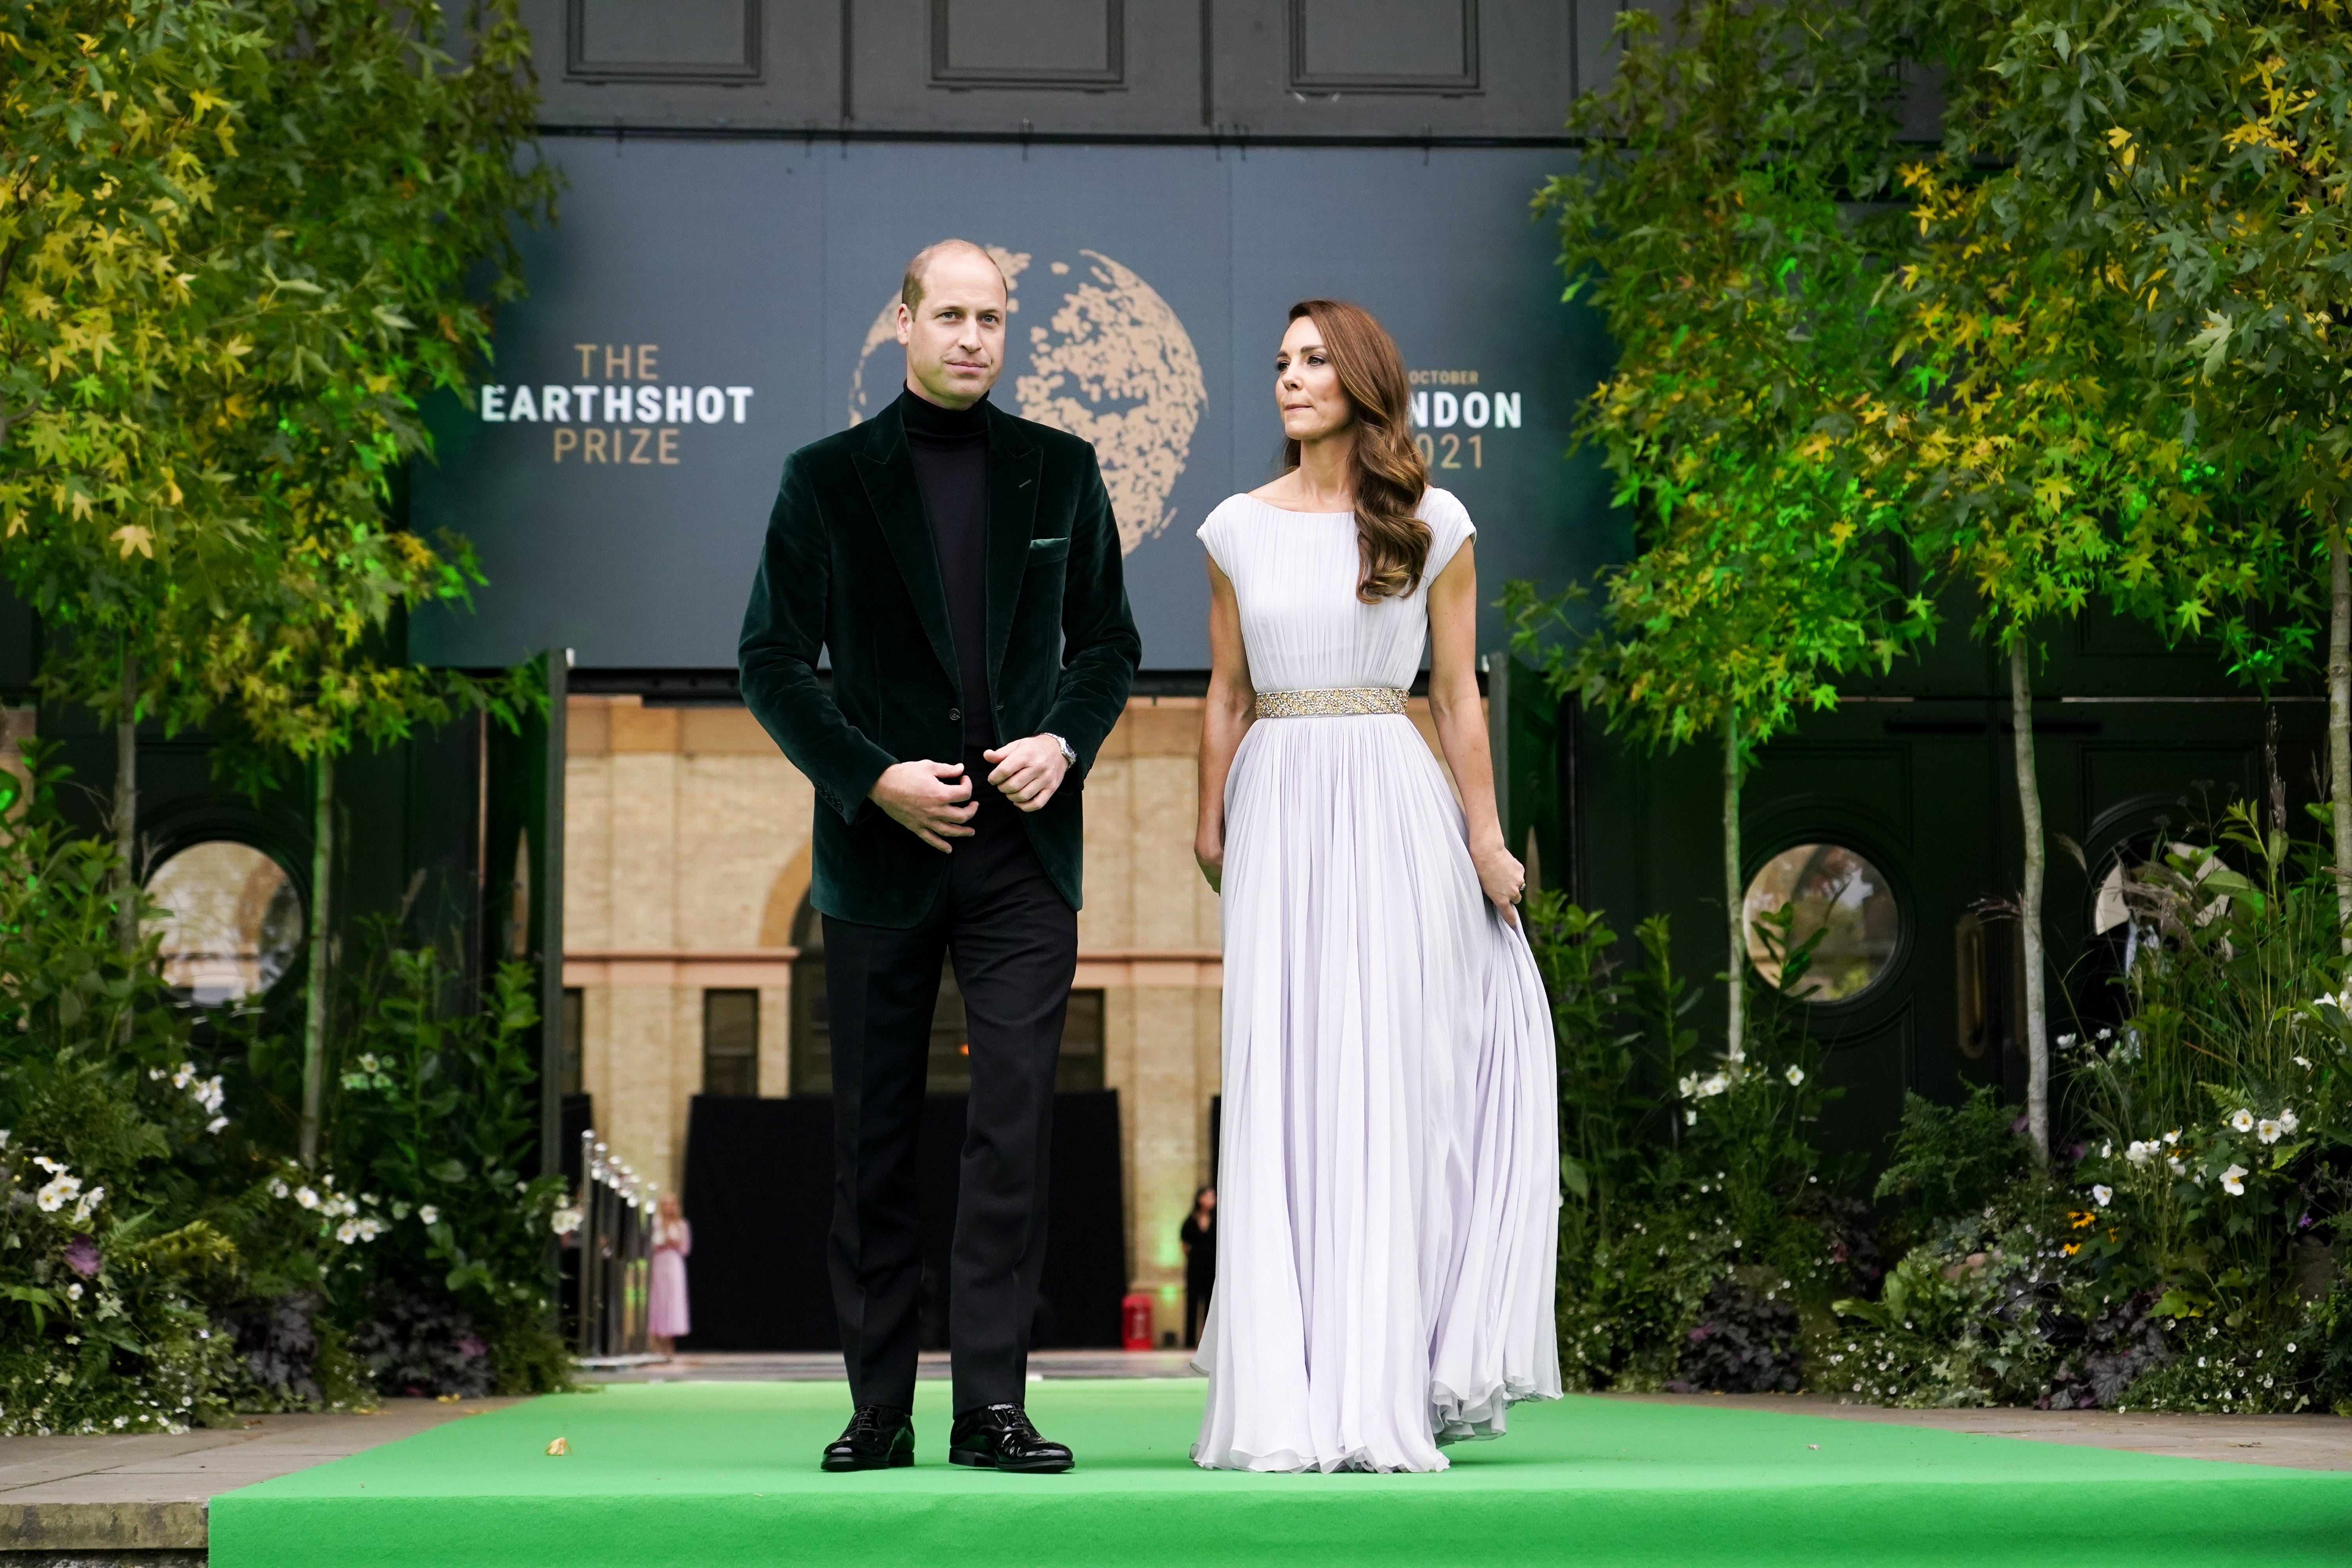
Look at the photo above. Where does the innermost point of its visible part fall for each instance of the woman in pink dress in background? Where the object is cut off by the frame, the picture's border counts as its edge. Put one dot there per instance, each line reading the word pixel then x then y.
pixel 666 1309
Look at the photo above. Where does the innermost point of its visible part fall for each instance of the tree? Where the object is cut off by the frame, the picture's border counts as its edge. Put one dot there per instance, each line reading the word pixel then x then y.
pixel 299 214
pixel 1713 223
pixel 383 184
pixel 2199 146
pixel 2037 446
pixel 121 359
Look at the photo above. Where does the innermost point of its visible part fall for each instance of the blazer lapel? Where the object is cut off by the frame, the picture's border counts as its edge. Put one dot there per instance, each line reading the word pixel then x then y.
pixel 887 471
pixel 1013 464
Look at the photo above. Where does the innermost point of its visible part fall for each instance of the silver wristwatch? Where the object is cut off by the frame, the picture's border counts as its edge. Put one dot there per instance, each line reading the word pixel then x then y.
pixel 1069 754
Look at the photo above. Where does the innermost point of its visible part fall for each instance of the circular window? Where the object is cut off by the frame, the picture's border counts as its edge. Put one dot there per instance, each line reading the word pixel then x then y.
pixel 1832 891
pixel 231 921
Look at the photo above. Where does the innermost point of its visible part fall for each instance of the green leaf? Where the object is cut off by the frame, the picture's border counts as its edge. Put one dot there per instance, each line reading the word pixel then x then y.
pixel 1573 1174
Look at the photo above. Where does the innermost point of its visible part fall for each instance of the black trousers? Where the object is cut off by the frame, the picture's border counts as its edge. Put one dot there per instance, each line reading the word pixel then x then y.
pixel 1014 943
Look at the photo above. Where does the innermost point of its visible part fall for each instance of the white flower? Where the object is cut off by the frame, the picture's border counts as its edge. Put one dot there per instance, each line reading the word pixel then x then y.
pixel 2233 1181
pixel 1690 1118
pixel 278 1188
pixel 2303 1062
pixel 185 1075
pixel 2173 1162
pixel 370 1229
pixel 429 1214
pixel 216 1123
pixel 1795 1075
pixel 368 1062
pixel 2101 1196
pixel 2173 1136
pixel 73 1292
pixel 2288 1121
pixel 2064 1040
pixel 89 1204
pixel 1714 1084
pixel 1689 1085
pixel 2106 1034
pixel 155 1075
pixel 347 1232
pixel 564 1221
pixel 306 1197
pixel 2140 1154
pixel 2241 1121
pixel 2268 1130
pixel 60 1190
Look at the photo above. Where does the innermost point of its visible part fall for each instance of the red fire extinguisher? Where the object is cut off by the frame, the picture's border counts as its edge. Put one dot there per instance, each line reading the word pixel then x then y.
pixel 1134 1311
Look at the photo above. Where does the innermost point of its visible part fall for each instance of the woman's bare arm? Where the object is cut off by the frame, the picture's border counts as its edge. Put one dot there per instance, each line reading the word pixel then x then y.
pixel 1224 720
pixel 1462 726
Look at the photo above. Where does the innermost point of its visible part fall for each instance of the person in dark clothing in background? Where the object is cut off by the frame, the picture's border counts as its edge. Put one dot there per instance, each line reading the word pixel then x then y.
pixel 1199 1234
pixel 961 567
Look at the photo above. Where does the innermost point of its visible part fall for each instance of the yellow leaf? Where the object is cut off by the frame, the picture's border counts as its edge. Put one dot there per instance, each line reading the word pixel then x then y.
pixel 129 536
pixel 559 1447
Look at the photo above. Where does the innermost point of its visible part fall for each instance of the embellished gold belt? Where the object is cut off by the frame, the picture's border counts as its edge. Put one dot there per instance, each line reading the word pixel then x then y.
pixel 1343 700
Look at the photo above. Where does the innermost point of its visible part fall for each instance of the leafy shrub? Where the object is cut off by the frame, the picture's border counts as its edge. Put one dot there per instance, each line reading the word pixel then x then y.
pixel 423 1344
pixel 162 1261
pixel 1744 1341
pixel 1679 1173
pixel 1950 1161
pixel 438 1103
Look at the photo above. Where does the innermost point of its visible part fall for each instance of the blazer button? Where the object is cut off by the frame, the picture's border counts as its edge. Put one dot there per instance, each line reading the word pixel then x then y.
pixel 955 715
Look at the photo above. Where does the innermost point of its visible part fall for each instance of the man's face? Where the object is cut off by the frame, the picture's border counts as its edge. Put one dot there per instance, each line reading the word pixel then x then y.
pixel 955 338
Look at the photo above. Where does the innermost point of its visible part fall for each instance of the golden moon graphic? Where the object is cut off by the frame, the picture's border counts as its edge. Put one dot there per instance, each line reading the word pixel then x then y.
pixel 1111 364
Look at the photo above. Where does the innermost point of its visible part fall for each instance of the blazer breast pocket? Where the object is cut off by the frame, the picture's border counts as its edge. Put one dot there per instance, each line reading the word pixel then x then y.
pixel 1042 549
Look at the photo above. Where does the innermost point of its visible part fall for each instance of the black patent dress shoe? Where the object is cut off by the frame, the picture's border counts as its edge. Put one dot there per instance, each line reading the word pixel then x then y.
pixel 878 1437
pixel 999 1437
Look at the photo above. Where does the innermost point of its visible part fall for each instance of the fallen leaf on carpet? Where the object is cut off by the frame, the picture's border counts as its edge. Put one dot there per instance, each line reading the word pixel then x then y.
pixel 559 1447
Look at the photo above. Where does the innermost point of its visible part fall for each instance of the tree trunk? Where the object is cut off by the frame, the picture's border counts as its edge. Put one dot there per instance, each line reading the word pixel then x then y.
pixel 314 1022
pixel 2029 913
pixel 2339 718
pixel 1735 897
pixel 126 804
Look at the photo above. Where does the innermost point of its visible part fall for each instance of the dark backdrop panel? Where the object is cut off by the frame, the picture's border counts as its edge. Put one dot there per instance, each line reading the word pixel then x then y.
pixel 759 1192
pixel 1149 296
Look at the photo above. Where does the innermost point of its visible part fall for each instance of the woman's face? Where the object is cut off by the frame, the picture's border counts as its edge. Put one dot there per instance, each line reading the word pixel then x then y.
pixel 1306 387
pixel 669 1206
pixel 1208 1200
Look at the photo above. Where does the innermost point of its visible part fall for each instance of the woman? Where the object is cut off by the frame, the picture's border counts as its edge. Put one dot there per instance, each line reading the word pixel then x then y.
pixel 665 1313
pixel 1198 1236
pixel 1389 1161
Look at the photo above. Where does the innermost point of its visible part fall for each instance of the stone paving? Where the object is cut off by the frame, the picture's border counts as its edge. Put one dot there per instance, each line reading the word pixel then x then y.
pixel 2309 1442
pixel 143 1497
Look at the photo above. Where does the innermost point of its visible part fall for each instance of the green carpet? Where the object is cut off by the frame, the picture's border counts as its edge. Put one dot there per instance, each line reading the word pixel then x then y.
pixel 724 1473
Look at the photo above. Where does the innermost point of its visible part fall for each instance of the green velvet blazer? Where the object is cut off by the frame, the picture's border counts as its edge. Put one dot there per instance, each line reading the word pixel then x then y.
pixel 849 569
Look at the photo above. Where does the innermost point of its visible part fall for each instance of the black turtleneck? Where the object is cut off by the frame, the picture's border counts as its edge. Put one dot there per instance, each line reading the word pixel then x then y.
pixel 949 447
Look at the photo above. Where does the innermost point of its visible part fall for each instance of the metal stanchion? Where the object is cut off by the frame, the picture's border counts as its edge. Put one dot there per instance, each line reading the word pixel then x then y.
pixel 616 1209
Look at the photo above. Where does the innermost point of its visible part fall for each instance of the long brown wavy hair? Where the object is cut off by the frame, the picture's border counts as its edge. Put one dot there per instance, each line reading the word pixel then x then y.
pixel 1387 472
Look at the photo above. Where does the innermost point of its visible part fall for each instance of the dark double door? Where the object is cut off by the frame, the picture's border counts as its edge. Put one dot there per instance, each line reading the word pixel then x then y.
pixel 1926 790
pixel 2136 747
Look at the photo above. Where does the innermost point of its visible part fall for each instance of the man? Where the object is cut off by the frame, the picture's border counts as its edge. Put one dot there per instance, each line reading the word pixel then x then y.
pixel 962 568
